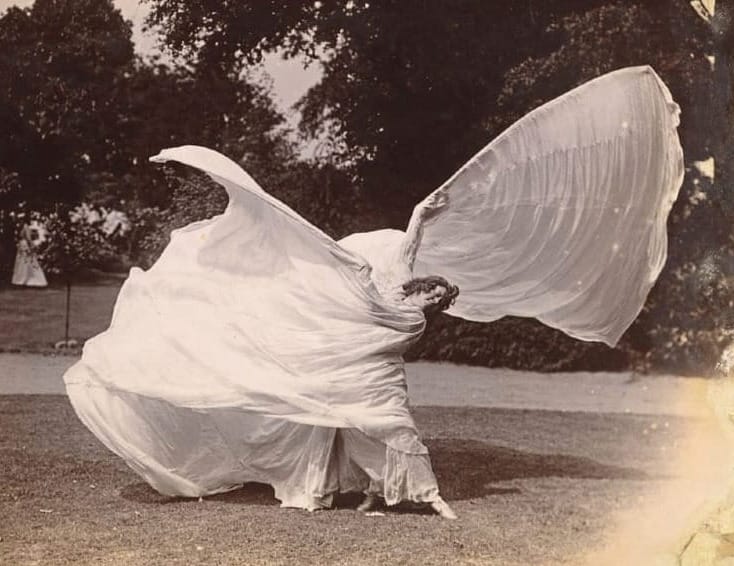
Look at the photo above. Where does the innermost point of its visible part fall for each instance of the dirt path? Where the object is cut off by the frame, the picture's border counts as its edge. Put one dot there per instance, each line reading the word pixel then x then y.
pixel 449 385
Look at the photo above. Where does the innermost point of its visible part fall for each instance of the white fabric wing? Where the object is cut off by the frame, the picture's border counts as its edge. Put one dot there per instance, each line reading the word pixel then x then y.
pixel 563 216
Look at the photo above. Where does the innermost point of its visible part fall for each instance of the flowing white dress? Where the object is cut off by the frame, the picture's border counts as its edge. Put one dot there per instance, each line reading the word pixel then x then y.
pixel 238 354
pixel 259 349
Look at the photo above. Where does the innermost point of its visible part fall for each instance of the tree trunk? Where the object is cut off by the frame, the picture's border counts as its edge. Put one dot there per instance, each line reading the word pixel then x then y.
pixel 68 307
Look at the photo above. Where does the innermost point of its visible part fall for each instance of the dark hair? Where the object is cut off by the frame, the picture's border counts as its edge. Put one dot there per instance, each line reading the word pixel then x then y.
pixel 427 284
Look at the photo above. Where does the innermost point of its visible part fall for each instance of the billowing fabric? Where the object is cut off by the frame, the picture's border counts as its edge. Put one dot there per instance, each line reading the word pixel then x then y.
pixel 230 358
pixel 563 216
pixel 259 349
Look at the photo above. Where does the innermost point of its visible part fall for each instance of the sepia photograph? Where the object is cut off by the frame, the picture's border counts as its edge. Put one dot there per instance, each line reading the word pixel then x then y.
pixel 367 282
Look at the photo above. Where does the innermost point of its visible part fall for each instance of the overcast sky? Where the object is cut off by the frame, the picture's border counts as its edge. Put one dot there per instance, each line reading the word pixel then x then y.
pixel 290 79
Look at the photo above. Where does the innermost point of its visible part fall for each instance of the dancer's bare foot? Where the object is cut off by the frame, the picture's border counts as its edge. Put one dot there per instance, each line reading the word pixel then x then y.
pixel 443 509
pixel 369 503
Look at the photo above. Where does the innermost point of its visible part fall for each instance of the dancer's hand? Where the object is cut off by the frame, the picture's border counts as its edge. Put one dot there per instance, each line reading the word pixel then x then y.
pixel 433 203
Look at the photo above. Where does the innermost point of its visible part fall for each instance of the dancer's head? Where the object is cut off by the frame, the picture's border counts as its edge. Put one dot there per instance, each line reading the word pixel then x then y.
pixel 433 293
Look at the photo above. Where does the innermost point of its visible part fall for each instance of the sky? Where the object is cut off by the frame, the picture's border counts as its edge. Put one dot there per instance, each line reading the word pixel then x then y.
pixel 289 78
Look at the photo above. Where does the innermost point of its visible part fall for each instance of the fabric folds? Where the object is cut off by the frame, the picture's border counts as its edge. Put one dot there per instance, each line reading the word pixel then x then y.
pixel 563 216
pixel 259 349
pixel 250 338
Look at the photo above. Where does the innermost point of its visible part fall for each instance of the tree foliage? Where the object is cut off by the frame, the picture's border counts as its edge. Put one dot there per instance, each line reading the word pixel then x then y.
pixel 408 87
pixel 73 243
pixel 82 114
pixel 170 106
pixel 60 68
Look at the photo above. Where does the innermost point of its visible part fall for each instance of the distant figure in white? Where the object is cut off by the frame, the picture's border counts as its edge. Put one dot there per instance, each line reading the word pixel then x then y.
pixel 27 271
pixel 259 349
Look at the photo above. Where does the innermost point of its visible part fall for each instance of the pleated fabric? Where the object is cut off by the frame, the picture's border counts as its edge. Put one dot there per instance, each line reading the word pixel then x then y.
pixel 563 216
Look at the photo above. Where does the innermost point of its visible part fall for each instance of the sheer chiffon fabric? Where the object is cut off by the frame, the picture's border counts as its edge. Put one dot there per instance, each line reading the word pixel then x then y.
pixel 238 353
pixel 563 216
pixel 259 349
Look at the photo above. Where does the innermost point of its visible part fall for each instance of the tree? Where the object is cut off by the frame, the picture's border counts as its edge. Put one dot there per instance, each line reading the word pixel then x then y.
pixel 407 86
pixel 61 65
pixel 165 107
pixel 75 241
pixel 81 115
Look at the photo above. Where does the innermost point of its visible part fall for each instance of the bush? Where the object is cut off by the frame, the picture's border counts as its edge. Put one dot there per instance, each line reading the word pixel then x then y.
pixel 515 343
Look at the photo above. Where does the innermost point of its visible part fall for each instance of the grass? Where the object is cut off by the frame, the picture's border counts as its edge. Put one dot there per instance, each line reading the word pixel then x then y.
pixel 530 487
pixel 33 319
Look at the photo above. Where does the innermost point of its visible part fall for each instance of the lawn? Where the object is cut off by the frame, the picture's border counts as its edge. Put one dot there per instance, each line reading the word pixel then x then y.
pixel 530 487
pixel 33 319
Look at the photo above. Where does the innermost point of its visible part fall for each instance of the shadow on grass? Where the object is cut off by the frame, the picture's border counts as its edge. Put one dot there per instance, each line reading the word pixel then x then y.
pixel 250 494
pixel 465 469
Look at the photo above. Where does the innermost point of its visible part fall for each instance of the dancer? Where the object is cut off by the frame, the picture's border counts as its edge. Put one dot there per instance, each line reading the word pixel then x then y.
pixel 257 348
